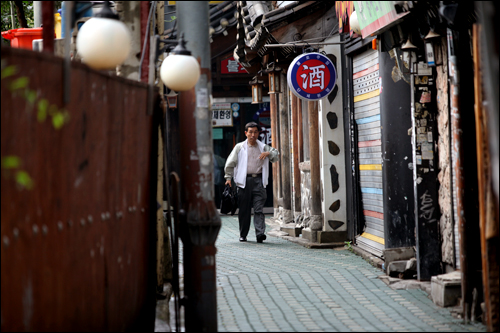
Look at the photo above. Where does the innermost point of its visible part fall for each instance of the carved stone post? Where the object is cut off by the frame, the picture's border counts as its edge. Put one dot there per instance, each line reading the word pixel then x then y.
pixel 285 151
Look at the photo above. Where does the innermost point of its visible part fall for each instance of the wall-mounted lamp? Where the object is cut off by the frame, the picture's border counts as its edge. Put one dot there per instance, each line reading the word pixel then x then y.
pixel 429 47
pixel 179 71
pixel 172 99
pixel 256 90
pixel 432 35
pixel 408 54
pixel 104 42
pixel 274 78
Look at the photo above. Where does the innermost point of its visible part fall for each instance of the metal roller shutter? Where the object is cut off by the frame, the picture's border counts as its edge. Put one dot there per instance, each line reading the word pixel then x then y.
pixel 367 116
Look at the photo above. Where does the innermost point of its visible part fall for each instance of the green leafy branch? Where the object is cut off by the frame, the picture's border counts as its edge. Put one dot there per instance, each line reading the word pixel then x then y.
pixel 19 86
pixel 172 19
pixel 12 164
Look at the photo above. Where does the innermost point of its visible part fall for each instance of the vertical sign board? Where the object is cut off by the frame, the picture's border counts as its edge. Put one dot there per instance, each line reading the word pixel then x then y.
pixel 222 115
pixel 373 16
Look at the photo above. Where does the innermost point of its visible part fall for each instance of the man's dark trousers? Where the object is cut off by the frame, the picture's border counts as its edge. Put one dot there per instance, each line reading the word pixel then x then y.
pixel 254 194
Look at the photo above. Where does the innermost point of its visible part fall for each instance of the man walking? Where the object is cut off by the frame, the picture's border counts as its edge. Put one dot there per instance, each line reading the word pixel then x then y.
pixel 249 164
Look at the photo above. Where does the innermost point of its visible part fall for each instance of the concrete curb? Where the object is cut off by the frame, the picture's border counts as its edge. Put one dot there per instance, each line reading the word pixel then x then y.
pixel 276 232
pixel 373 260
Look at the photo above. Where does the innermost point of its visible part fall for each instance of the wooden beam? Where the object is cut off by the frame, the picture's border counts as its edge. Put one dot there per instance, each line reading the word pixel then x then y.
pixel 482 172
pixel 312 107
pixel 307 26
pixel 295 138
pixel 300 135
pixel 222 44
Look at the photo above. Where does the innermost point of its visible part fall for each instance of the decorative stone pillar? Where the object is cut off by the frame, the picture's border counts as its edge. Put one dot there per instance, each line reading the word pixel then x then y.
pixel 332 158
pixel 285 152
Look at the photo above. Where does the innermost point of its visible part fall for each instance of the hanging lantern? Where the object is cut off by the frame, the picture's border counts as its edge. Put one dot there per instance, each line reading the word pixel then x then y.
pixel 172 99
pixel 429 47
pixel 256 90
pixel 409 53
pixel 274 79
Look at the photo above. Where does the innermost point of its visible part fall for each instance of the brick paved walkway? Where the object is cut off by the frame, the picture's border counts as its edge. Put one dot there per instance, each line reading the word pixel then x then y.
pixel 281 286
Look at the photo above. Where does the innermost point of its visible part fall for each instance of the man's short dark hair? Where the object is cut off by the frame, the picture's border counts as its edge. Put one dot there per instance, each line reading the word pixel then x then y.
pixel 251 124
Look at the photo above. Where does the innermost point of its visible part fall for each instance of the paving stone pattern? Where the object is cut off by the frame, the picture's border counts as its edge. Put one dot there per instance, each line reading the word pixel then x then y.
pixel 282 286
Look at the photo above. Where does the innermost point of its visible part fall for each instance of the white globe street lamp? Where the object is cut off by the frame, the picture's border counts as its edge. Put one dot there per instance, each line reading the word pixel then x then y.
pixel 104 41
pixel 180 71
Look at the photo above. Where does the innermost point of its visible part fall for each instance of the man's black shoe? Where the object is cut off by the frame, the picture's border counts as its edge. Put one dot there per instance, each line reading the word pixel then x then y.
pixel 261 238
pixel 243 239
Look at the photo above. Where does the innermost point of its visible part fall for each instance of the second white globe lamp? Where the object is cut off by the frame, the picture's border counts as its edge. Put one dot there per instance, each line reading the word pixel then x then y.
pixel 180 71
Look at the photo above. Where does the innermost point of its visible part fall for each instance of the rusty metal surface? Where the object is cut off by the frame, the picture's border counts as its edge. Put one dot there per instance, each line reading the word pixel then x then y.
pixel 75 247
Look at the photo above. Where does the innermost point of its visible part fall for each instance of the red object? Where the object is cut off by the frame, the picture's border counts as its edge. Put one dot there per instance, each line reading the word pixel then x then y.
pixel 23 37
pixel 231 66
pixel 373 214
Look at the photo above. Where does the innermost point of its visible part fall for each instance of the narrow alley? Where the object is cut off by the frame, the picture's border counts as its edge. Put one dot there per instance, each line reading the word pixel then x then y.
pixel 281 286
pixel 362 135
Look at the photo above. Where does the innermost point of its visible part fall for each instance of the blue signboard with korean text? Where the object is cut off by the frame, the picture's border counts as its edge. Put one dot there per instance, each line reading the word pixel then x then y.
pixel 311 76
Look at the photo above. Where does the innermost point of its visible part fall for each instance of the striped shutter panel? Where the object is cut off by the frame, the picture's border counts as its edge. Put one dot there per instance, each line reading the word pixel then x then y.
pixel 367 116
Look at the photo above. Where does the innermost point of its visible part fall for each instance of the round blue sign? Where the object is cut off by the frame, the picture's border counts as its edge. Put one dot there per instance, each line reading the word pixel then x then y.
pixel 311 76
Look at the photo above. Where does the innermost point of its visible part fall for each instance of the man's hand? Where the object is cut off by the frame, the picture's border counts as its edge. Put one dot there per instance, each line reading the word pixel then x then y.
pixel 228 182
pixel 264 155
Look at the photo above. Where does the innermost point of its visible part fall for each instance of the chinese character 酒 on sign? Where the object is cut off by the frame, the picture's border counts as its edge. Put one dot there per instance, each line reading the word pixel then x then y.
pixel 313 77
